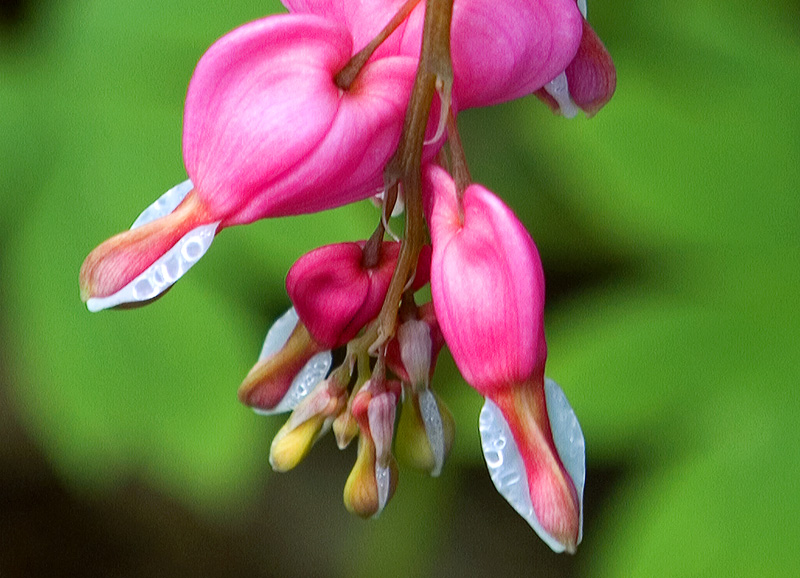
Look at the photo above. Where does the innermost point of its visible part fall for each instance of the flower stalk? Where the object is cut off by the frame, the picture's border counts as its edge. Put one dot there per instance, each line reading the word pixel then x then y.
pixel 435 68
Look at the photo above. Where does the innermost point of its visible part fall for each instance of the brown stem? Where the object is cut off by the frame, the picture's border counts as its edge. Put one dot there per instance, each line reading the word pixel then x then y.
pixel 406 165
pixel 371 255
pixel 458 160
pixel 348 74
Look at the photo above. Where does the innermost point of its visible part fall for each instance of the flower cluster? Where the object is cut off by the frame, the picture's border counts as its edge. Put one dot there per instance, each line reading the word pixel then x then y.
pixel 344 100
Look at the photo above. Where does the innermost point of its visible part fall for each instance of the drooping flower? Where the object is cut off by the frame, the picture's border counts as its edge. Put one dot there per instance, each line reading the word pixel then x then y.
pixel 488 290
pixel 267 132
pixel 500 50
pixel 335 293
pixel 284 116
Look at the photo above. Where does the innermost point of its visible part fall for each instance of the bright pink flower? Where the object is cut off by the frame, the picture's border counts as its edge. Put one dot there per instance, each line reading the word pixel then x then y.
pixel 500 50
pixel 267 133
pixel 487 284
pixel 335 295
pixel 488 290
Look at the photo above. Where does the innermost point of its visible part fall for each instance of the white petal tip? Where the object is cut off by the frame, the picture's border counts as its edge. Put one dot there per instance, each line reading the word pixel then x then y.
pixel 568 438
pixel 434 428
pixel 162 274
pixel 507 469
pixel 558 88
pixel 165 204
pixel 307 379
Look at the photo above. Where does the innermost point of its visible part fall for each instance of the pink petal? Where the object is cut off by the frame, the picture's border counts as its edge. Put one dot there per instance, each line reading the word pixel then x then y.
pixel 267 132
pixel 487 285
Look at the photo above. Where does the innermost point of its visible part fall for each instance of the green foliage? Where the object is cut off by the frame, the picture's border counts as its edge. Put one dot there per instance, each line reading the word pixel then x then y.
pixel 680 360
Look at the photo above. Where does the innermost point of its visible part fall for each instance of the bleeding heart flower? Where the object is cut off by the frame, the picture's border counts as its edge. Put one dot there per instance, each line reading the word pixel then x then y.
pixel 267 133
pixel 500 50
pixel 488 291
pixel 335 293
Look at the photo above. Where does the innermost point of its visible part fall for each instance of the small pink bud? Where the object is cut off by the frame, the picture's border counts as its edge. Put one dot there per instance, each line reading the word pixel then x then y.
pixel 374 477
pixel 335 294
pixel 412 354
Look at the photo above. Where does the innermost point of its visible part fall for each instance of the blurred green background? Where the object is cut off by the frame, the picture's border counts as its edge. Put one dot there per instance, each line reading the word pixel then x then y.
pixel 669 226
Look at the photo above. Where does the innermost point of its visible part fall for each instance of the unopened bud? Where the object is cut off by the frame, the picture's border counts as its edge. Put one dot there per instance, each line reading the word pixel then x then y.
pixel 425 432
pixel 270 380
pixel 374 476
pixel 290 446
pixel 309 421
pixel 369 485
pixel 345 428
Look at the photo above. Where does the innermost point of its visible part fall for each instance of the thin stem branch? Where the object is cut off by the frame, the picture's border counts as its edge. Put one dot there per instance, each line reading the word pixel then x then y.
pixel 348 74
pixel 458 160
pixel 406 165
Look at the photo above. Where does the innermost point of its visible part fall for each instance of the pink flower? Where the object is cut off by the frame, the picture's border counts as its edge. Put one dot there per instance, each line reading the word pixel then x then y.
pixel 500 50
pixel 335 294
pixel 267 133
pixel 488 291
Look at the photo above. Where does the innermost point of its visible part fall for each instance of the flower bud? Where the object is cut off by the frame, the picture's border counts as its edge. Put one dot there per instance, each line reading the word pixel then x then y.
pixel 291 364
pixel 308 422
pixel 345 428
pixel 412 354
pixel 425 431
pixel 335 294
pixel 373 479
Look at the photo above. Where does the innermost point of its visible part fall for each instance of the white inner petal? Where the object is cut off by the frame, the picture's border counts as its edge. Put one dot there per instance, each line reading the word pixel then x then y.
pixel 582 7
pixel 165 204
pixel 434 428
pixel 507 469
pixel 568 437
pixel 558 88
pixel 279 333
pixel 164 272
pixel 381 413
pixel 307 379
pixel 383 478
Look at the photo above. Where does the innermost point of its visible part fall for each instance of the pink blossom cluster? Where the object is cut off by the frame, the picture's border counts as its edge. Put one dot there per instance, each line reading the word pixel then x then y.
pixel 318 108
